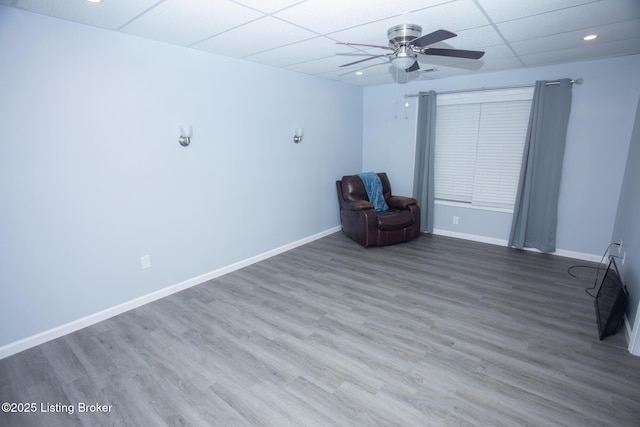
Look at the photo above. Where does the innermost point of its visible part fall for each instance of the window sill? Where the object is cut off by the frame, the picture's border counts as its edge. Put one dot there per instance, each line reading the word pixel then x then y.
pixel 470 206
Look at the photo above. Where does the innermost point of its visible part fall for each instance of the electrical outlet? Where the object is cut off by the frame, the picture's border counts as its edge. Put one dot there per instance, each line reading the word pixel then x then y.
pixel 145 261
pixel 456 220
pixel 615 249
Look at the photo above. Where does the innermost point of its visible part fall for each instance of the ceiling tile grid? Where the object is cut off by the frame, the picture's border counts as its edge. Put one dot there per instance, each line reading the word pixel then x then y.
pixel 301 35
pixel 250 38
pixel 109 15
pixel 172 22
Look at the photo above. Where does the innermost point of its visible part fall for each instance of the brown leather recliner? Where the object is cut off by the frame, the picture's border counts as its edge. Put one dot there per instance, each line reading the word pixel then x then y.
pixel 370 228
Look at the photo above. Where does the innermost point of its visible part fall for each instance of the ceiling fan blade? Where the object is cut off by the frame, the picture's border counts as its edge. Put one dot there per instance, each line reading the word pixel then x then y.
pixel 414 67
pixel 366 45
pixel 362 60
pixel 456 53
pixel 431 38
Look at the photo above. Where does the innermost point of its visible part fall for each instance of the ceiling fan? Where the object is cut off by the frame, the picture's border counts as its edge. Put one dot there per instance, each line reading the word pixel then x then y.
pixel 406 43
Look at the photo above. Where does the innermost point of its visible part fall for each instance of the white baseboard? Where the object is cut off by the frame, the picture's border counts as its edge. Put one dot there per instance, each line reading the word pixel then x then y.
pixel 473 237
pixel 51 334
pixel 500 242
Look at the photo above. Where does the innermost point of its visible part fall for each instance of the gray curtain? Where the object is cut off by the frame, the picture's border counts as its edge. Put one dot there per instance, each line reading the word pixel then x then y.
pixel 423 170
pixel 535 213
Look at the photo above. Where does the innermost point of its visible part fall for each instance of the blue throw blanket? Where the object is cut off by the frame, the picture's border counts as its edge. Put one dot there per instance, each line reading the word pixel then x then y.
pixel 374 190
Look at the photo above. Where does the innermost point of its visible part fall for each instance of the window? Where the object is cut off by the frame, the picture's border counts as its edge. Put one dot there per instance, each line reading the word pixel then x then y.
pixel 479 141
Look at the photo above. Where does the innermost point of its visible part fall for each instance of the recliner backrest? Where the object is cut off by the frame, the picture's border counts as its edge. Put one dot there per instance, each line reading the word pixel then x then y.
pixel 353 187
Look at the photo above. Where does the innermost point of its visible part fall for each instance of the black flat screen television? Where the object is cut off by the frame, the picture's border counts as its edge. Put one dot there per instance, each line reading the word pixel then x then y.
pixel 611 301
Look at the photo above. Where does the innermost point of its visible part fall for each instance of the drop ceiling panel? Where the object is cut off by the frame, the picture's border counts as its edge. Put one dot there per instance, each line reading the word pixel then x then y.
pixel 628 30
pixel 323 65
pixel 507 10
pixel 491 53
pixel 374 33
pixel 270 6
pixel 257 36
pixel 377 67
pixel 380 70
pixel 367 80
pixel 501 63
pixel 571 19
pixel 384 74
pixel 603 50
pixel 172 22
pixel 295 53
pixel 111 15
pixel 327 16
pixel 452 16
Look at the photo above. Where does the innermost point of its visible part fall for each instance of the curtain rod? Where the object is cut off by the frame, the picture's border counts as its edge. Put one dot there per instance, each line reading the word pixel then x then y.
pixel 572 81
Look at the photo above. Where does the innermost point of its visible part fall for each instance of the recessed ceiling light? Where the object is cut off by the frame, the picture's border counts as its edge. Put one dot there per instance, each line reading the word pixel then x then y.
pixel 359 73
pixel 94 1
pixel 590 37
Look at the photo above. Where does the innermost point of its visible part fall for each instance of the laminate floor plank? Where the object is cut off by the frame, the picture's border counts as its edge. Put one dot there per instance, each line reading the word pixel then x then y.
pixel 433 332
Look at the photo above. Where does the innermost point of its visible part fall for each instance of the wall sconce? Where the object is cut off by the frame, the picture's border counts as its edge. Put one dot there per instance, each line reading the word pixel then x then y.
pixel 185 135
pixel 297 137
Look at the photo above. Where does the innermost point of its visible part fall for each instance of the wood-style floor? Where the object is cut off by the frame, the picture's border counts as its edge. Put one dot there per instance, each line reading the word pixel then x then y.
pixel 434 332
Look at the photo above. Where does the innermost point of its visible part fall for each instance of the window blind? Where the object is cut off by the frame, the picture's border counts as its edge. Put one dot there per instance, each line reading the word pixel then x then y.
pixel 479 141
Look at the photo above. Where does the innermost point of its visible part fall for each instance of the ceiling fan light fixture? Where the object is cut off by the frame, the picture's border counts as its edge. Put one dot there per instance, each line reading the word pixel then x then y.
pixel 403 58
pixel 403 62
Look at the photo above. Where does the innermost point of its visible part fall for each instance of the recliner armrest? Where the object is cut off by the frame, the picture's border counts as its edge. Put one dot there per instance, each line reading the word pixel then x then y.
pixel 400 202
pixel 357 205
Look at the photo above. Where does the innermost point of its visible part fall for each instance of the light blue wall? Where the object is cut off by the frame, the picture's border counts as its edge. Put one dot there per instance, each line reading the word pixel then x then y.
pixel 627 225
pixel 598 137
pixel 92 176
